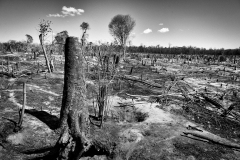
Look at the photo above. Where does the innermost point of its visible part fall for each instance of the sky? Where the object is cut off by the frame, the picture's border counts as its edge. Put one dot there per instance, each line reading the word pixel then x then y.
pixel 197 23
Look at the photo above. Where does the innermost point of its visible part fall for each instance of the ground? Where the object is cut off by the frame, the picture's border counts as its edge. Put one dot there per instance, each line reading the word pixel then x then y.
pixel 143 121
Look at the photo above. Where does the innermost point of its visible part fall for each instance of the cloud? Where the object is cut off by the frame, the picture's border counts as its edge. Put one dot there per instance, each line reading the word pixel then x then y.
pixel 163 30
pixel 160 24
pixel 71 11
pixel 181 30
pixel 55 15
pixel 67 11
pixel 146 31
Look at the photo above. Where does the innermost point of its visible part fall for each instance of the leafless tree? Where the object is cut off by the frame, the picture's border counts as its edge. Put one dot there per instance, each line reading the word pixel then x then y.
pixel 44 29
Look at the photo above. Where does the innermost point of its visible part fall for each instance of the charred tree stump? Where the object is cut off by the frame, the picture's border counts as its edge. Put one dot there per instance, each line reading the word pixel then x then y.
pixel 73 141
pixel 22 110
pixel 38 68
pixel 101 102
pixel 131 70
pixel 34 55
pixel 52 65
pixel 2 66
pixel 8 64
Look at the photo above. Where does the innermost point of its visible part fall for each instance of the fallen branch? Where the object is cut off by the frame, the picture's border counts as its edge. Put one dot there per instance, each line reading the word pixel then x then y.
pixel 8 74
pixel 15 123
pixel 213 138
pixel 213 102
pixel 230 108
pixel 151 84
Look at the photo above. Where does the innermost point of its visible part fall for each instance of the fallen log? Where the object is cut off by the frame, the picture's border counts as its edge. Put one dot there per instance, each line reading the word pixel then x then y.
pixel 151 84
pixel 230 108
pixel 213 138
pixel 213 102
pixel 8 74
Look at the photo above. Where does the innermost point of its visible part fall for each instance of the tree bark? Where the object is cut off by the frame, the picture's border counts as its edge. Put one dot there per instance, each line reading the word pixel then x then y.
pixel 22 110
pixel 73 141
pixel 46 58
pixel 124 51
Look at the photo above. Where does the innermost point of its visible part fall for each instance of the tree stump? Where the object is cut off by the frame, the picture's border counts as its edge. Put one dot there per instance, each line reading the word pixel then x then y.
pixel 74 122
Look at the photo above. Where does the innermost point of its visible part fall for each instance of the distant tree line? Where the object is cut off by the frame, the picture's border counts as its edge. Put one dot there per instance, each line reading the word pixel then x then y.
pixel 182 50
pixel 23 46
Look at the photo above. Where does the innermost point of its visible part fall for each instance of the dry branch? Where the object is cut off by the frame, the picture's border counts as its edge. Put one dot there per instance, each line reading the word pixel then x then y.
pixel 213 138
pixel 230 108
pixel 8 74
pixel 213 102
pixel 134 79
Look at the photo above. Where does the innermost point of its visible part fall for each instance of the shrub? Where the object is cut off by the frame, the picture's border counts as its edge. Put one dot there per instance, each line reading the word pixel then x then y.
pixel 140 117
pixel 222 59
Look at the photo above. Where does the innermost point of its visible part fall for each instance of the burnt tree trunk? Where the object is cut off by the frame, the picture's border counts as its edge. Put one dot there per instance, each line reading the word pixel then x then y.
pixel 73 141
pixel 45 53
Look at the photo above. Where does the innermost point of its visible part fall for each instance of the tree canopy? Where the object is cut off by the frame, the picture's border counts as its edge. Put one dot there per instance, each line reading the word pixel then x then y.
pixel 44 28
pixel 61 37
pixel 84 26
pixel 120 28
pixel 29 38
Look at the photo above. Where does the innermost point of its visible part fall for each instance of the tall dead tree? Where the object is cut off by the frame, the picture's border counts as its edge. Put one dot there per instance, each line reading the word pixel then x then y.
pixel 44 29
pixel 74 114
pixel 84 26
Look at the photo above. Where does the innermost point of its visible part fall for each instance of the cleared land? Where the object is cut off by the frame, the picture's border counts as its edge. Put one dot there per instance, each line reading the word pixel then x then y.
pixel 169 109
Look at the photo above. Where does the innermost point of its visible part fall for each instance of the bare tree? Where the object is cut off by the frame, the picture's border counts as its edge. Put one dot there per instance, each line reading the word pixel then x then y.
pixel 44 29
pixel 84 26
pixel 120 28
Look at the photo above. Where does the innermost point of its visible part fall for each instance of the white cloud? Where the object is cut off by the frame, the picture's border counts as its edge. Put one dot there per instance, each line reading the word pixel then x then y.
pixel 71 11
pixel 146 31
pixel 55 15
pixel 163 30
pixel 67 11
pixel 160 24
pixel 181 30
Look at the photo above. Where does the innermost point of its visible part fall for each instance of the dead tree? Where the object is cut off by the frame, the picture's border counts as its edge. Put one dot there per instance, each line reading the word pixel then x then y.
pixel 73 141
pixel 44 52
pixel 22 110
